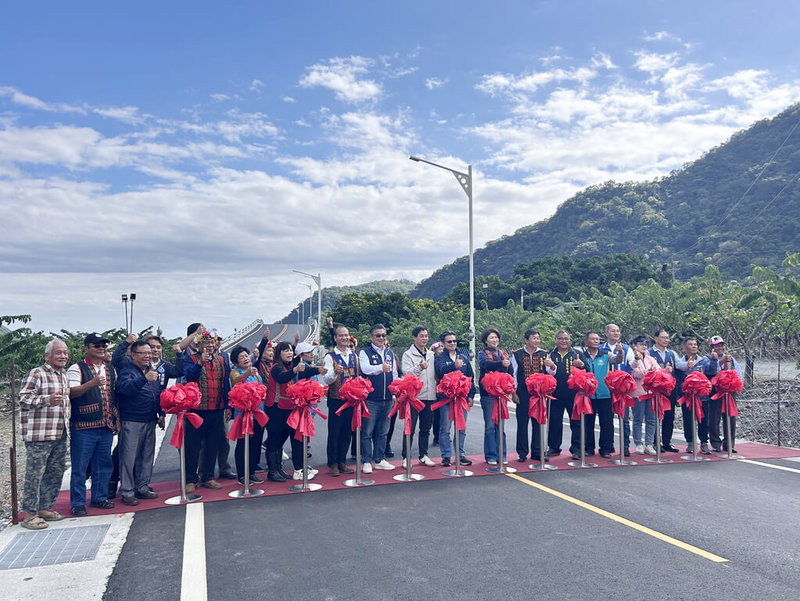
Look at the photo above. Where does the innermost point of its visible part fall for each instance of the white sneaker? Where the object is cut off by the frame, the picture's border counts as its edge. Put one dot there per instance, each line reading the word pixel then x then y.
pixel 298 475
pixel 367 468
pixel 312 472
pixel 427 461
pixel 491 462
pixel 649 450
pixel 284 456
pixel 405 463
pixel 384 465
pixel 639 449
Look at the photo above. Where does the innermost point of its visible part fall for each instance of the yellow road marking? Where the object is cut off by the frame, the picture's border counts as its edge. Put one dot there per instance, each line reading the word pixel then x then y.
pixel 279 334
pixel 644 529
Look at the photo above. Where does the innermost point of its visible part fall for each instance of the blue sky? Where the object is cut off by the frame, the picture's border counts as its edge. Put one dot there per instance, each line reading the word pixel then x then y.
pixel 196 153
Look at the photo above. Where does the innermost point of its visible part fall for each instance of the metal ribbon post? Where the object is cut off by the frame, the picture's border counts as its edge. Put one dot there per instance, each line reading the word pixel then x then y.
pixel 657 437
pixel 695 442
pixel 183 497
pixel 457 472
pixel 622 460
pixel 357 481
pixel 408 476
pixel 305 486
pixel 247 491
pixel 582 462
pixel 543 430
pixel 500 468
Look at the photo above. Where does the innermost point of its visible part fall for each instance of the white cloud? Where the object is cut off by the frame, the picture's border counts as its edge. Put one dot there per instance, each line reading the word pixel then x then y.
pixel 342 76
pixel 256 85
pixel 433 83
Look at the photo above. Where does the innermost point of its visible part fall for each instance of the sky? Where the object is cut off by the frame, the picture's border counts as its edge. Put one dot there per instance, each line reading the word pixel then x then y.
pixel 196 153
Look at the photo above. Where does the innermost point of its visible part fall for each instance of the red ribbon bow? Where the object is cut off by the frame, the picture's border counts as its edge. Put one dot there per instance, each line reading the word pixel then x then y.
pixel 305 394
pixel 500 386
pixel 354 392
pixel 660 385
pixel 246 398
pixel 406 389
pixel 621 384
pixel 455 387
pixel 180 399
pixel 695 385
pixel 727 382
pixel 540 387
pixel 586 385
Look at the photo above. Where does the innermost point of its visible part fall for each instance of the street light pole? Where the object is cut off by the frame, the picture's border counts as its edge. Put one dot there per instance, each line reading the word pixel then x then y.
pixel 465 181
pixel 318 281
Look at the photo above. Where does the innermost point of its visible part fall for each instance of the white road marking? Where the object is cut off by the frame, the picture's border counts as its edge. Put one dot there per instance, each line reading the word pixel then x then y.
pixel 772 465
pixel 194 584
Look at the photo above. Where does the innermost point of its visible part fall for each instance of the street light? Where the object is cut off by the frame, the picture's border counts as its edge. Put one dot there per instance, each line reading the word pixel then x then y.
pixel 318 281
pixel 310 297
pixel 465 181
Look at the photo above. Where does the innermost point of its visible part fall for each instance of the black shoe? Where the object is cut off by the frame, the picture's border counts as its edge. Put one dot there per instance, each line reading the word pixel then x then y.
pixel 112 489
pixel 102 504
pixel 389 453
pixel 253 480
pixel 716 449
pixel 79 511
pixel 130 500
pixel 605 455
pixel 445 462
pixel 148 494
pixel 275 476
pixel 627 452
pixel 668 448
pixel 589 454
pixel 521 459
pixel 259 468
pixel 576 457
pixel 465 461
pixel 553 452
pixel 227 476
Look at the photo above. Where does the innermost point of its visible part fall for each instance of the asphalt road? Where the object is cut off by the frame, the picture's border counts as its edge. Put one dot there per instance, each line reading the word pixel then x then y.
pixel 493 537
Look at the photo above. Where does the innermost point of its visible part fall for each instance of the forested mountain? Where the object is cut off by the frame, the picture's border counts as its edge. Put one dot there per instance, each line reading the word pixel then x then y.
pixel 736 206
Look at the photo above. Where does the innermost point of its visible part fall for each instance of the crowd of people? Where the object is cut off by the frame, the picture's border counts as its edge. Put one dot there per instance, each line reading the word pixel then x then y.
pixel 107 394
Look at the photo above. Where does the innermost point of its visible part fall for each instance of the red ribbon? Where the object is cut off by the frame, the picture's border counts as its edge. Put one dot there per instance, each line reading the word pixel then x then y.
pixel 586 385
pixel 659 384
pixel 500 386
pixel 695 385
pixel 621 384
pixel 246 398
pixel 727 382
pixel 305 394
pixel 455 387
pixel 354 392
pixel 406 389
pixel 179 400
pixel 540 387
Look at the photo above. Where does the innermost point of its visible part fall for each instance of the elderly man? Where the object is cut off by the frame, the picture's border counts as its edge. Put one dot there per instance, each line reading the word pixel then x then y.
pixel 378 364
pixel 559 364
pixel 138 395
pixel 44 416
pixel 95 420
pixel 713 363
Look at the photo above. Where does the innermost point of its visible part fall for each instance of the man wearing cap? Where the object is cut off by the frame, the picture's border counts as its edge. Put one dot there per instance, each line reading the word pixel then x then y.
pixel 342 365
pixel 716 361
pixel 44 417
pixel 95 420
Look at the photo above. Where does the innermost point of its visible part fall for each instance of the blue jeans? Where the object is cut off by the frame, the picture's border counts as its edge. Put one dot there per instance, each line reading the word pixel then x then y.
pixel 445 442
pixel 491 431
pixel 374 430
pixel 642 412
pixel 92 444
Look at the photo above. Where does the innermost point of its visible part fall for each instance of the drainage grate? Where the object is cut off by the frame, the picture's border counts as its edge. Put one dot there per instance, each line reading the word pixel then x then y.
pixel 53 546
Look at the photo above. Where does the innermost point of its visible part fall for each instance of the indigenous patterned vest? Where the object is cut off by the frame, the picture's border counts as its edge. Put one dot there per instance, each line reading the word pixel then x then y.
pixel 97 407
pixel 350 371
pixel 211 383
pixel 528 364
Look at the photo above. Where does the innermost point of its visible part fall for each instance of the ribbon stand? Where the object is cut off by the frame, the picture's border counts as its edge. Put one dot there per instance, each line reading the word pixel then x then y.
pixel 247 491
pixel 357 481
pixel 582 462
pixel 306 486
pixel 543 430
pixel 408 476
pixel 622 460
pixel 695 441
pixel 730 441
pixel 500 468
pixel 657 458
pixel 183 498
pixel 456 472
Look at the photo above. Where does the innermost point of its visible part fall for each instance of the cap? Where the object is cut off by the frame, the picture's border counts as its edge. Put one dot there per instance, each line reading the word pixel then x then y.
pixel 303 347
pixel 715 340
pixel 94 338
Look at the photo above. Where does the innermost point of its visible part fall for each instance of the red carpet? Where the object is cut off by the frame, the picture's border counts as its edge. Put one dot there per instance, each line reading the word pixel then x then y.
pixel 165 490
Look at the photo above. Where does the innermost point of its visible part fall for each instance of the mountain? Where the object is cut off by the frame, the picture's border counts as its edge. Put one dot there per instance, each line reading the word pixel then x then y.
pixel 332 294
pixel 736 206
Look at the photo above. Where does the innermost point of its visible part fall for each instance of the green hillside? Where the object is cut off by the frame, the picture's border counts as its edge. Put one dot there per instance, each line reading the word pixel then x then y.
pixel 736 206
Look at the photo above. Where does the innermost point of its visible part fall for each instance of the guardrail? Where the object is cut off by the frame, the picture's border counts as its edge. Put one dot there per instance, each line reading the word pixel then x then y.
pixel 230 341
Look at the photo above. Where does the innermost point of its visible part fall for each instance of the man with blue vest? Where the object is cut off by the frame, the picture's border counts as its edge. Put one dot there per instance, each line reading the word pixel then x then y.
pixel 598 362
pixel 379 366
pixel 666 359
